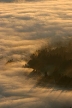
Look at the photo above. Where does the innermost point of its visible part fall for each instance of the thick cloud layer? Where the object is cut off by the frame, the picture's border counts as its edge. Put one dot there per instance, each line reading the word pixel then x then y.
pixel 23 29
pixel 20 1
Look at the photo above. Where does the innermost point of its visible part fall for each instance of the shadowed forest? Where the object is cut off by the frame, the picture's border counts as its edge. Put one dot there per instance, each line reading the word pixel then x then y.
pixel 52 65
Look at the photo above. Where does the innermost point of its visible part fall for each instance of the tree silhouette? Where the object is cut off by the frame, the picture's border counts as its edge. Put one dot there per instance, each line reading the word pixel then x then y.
pixel 54 64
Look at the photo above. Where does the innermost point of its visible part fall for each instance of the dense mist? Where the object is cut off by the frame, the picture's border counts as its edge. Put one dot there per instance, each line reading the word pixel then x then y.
pixel 24 29
pixel 19 1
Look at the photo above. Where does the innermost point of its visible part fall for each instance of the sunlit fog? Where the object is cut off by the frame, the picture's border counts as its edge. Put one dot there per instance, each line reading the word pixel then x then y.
pixel 27 26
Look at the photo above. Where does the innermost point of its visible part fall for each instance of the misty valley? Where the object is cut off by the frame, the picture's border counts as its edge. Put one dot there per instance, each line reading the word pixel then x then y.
pixel 35 54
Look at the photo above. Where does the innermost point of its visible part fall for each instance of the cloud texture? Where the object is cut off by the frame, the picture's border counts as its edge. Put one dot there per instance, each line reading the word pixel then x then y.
pixel 24 28
pixel 19 1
